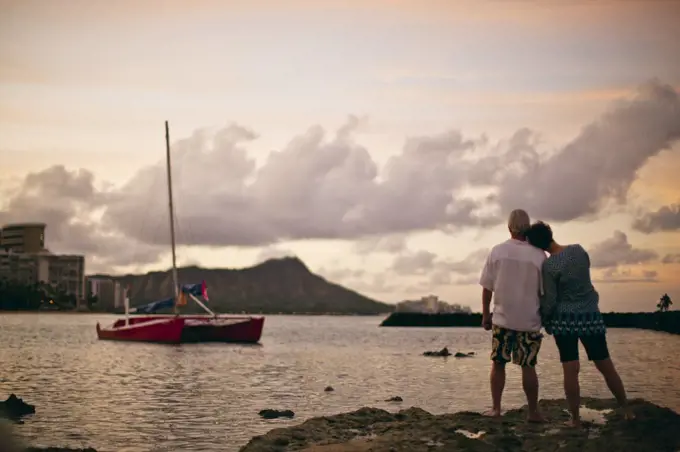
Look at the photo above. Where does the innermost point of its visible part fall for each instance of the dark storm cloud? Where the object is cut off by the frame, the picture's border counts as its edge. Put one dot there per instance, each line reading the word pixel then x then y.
pixel 667 218
pixel 598 166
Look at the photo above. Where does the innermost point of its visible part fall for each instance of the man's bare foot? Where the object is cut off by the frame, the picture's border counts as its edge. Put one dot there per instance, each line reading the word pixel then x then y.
pixel 536 418
pixel 492 413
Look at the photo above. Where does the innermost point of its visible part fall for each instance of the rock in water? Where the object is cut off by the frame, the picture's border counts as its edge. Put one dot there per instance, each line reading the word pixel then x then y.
pixel 395 399
pixel 275 414
pixel 329 389
pixel 14 407
pixel 443 352
pixel 654 429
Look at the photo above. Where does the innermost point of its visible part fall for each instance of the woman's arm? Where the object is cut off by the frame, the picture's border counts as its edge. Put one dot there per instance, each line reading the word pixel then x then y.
pixel 549 296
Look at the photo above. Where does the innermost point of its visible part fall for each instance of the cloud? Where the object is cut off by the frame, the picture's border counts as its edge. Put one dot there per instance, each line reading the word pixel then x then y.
pixel 667 218
pixel 413 263
pixel 616 251
pixel 595 168
pixel 614 275
pixel 441 272
pixel 341 274
pixel 327 186
pixel 472 263
pixel 68 202
pixel 671 259
pixel 273 252
pixel 375 284
pixel 394 243
pixel 315 188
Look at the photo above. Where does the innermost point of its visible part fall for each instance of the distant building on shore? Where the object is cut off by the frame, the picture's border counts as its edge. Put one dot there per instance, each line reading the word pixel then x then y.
pixel 431 304
pixel 24 258
pixel 110 294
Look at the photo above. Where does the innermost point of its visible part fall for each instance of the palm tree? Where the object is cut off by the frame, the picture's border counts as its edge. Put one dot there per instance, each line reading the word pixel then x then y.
pixel 664 303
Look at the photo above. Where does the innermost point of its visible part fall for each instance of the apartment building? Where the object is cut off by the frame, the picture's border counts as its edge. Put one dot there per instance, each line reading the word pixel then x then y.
pixel 24 258
pixel 23 237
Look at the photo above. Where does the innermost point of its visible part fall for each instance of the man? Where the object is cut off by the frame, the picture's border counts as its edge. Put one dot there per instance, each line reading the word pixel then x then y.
pixel 512 276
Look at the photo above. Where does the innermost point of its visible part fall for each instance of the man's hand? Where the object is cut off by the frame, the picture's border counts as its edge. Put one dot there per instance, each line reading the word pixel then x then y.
pixel 486 321
pixel 486 308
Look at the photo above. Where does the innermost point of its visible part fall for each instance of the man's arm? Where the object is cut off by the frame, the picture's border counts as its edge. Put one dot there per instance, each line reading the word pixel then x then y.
pixel 486 301
pixel 487 280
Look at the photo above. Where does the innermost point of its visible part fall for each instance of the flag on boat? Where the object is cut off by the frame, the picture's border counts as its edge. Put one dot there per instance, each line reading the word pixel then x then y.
pixel 182 299
pixel 204 290
pixel 196 290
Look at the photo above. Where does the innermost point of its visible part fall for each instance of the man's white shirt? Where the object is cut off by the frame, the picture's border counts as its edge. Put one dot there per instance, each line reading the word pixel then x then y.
pixel 513 273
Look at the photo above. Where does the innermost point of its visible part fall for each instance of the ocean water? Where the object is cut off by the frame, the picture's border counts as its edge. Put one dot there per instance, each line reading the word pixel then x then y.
pixel 205 397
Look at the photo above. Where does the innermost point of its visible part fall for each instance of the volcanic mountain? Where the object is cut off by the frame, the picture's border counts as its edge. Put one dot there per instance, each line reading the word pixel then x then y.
pixel 282 285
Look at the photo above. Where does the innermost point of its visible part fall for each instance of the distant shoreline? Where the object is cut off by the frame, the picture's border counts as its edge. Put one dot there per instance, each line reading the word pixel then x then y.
pixel 309 314
pixel 668 322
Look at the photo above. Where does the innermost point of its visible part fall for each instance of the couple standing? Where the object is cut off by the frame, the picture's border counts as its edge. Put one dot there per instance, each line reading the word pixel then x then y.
pixel 530 291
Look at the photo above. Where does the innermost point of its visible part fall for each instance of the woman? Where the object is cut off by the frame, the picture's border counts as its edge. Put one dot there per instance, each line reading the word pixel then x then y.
pixel 570 312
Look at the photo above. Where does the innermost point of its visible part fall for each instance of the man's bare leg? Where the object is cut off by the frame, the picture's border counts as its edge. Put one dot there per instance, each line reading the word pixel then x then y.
pixel 572 391
pixel 530 385
pixel 611 376
pixel 497 386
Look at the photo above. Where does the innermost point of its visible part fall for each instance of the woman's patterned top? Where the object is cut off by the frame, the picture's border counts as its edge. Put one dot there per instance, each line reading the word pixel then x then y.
pixel 570 303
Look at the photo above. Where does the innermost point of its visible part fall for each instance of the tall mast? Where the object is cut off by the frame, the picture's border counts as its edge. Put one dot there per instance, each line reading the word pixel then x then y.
pixel 175 283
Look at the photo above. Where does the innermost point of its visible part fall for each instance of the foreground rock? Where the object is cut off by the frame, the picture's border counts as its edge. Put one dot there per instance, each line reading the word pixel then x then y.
pixel 14 408
pixel 655 429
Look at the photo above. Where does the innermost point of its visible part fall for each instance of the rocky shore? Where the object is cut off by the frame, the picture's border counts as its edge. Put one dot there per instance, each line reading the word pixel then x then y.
pixel 370 429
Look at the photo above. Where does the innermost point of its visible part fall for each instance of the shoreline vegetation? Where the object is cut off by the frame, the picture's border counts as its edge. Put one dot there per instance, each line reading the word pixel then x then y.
pixel 668 321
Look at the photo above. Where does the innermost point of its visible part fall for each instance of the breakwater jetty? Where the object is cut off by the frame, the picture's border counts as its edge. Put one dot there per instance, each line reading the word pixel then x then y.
pixel 668 322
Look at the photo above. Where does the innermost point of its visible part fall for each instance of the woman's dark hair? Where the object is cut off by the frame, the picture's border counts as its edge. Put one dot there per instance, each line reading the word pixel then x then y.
pixel 540 235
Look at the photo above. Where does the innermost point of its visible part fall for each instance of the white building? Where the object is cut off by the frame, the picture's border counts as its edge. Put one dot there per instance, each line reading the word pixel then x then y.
pixel 431 304
pixel 110 294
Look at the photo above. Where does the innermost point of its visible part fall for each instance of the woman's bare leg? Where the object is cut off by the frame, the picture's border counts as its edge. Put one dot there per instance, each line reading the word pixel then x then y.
pixel 613 380
pixel 572 390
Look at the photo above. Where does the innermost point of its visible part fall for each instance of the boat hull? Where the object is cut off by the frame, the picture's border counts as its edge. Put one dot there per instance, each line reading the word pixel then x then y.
pixel 246 330
pixel 165 331
pixel 185 329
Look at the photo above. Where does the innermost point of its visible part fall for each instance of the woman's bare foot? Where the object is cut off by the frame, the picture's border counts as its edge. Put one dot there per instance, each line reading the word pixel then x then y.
pixel 492 413
pixel 627 413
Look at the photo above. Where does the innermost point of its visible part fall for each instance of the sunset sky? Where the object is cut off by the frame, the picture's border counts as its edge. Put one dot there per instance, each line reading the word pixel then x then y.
pixel 382 142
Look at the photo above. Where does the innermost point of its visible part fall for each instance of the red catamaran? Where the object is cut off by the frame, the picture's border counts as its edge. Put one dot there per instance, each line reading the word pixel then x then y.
pixel 176 328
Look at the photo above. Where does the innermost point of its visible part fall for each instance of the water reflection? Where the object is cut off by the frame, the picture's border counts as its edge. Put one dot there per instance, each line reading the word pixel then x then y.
pixel 116 396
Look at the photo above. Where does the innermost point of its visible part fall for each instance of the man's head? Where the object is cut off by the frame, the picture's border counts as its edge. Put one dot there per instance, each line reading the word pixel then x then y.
pixel 518 224
pixel 540 235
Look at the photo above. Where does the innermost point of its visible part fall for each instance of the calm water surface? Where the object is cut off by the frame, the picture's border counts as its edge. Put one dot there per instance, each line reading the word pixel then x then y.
pixel 144 397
